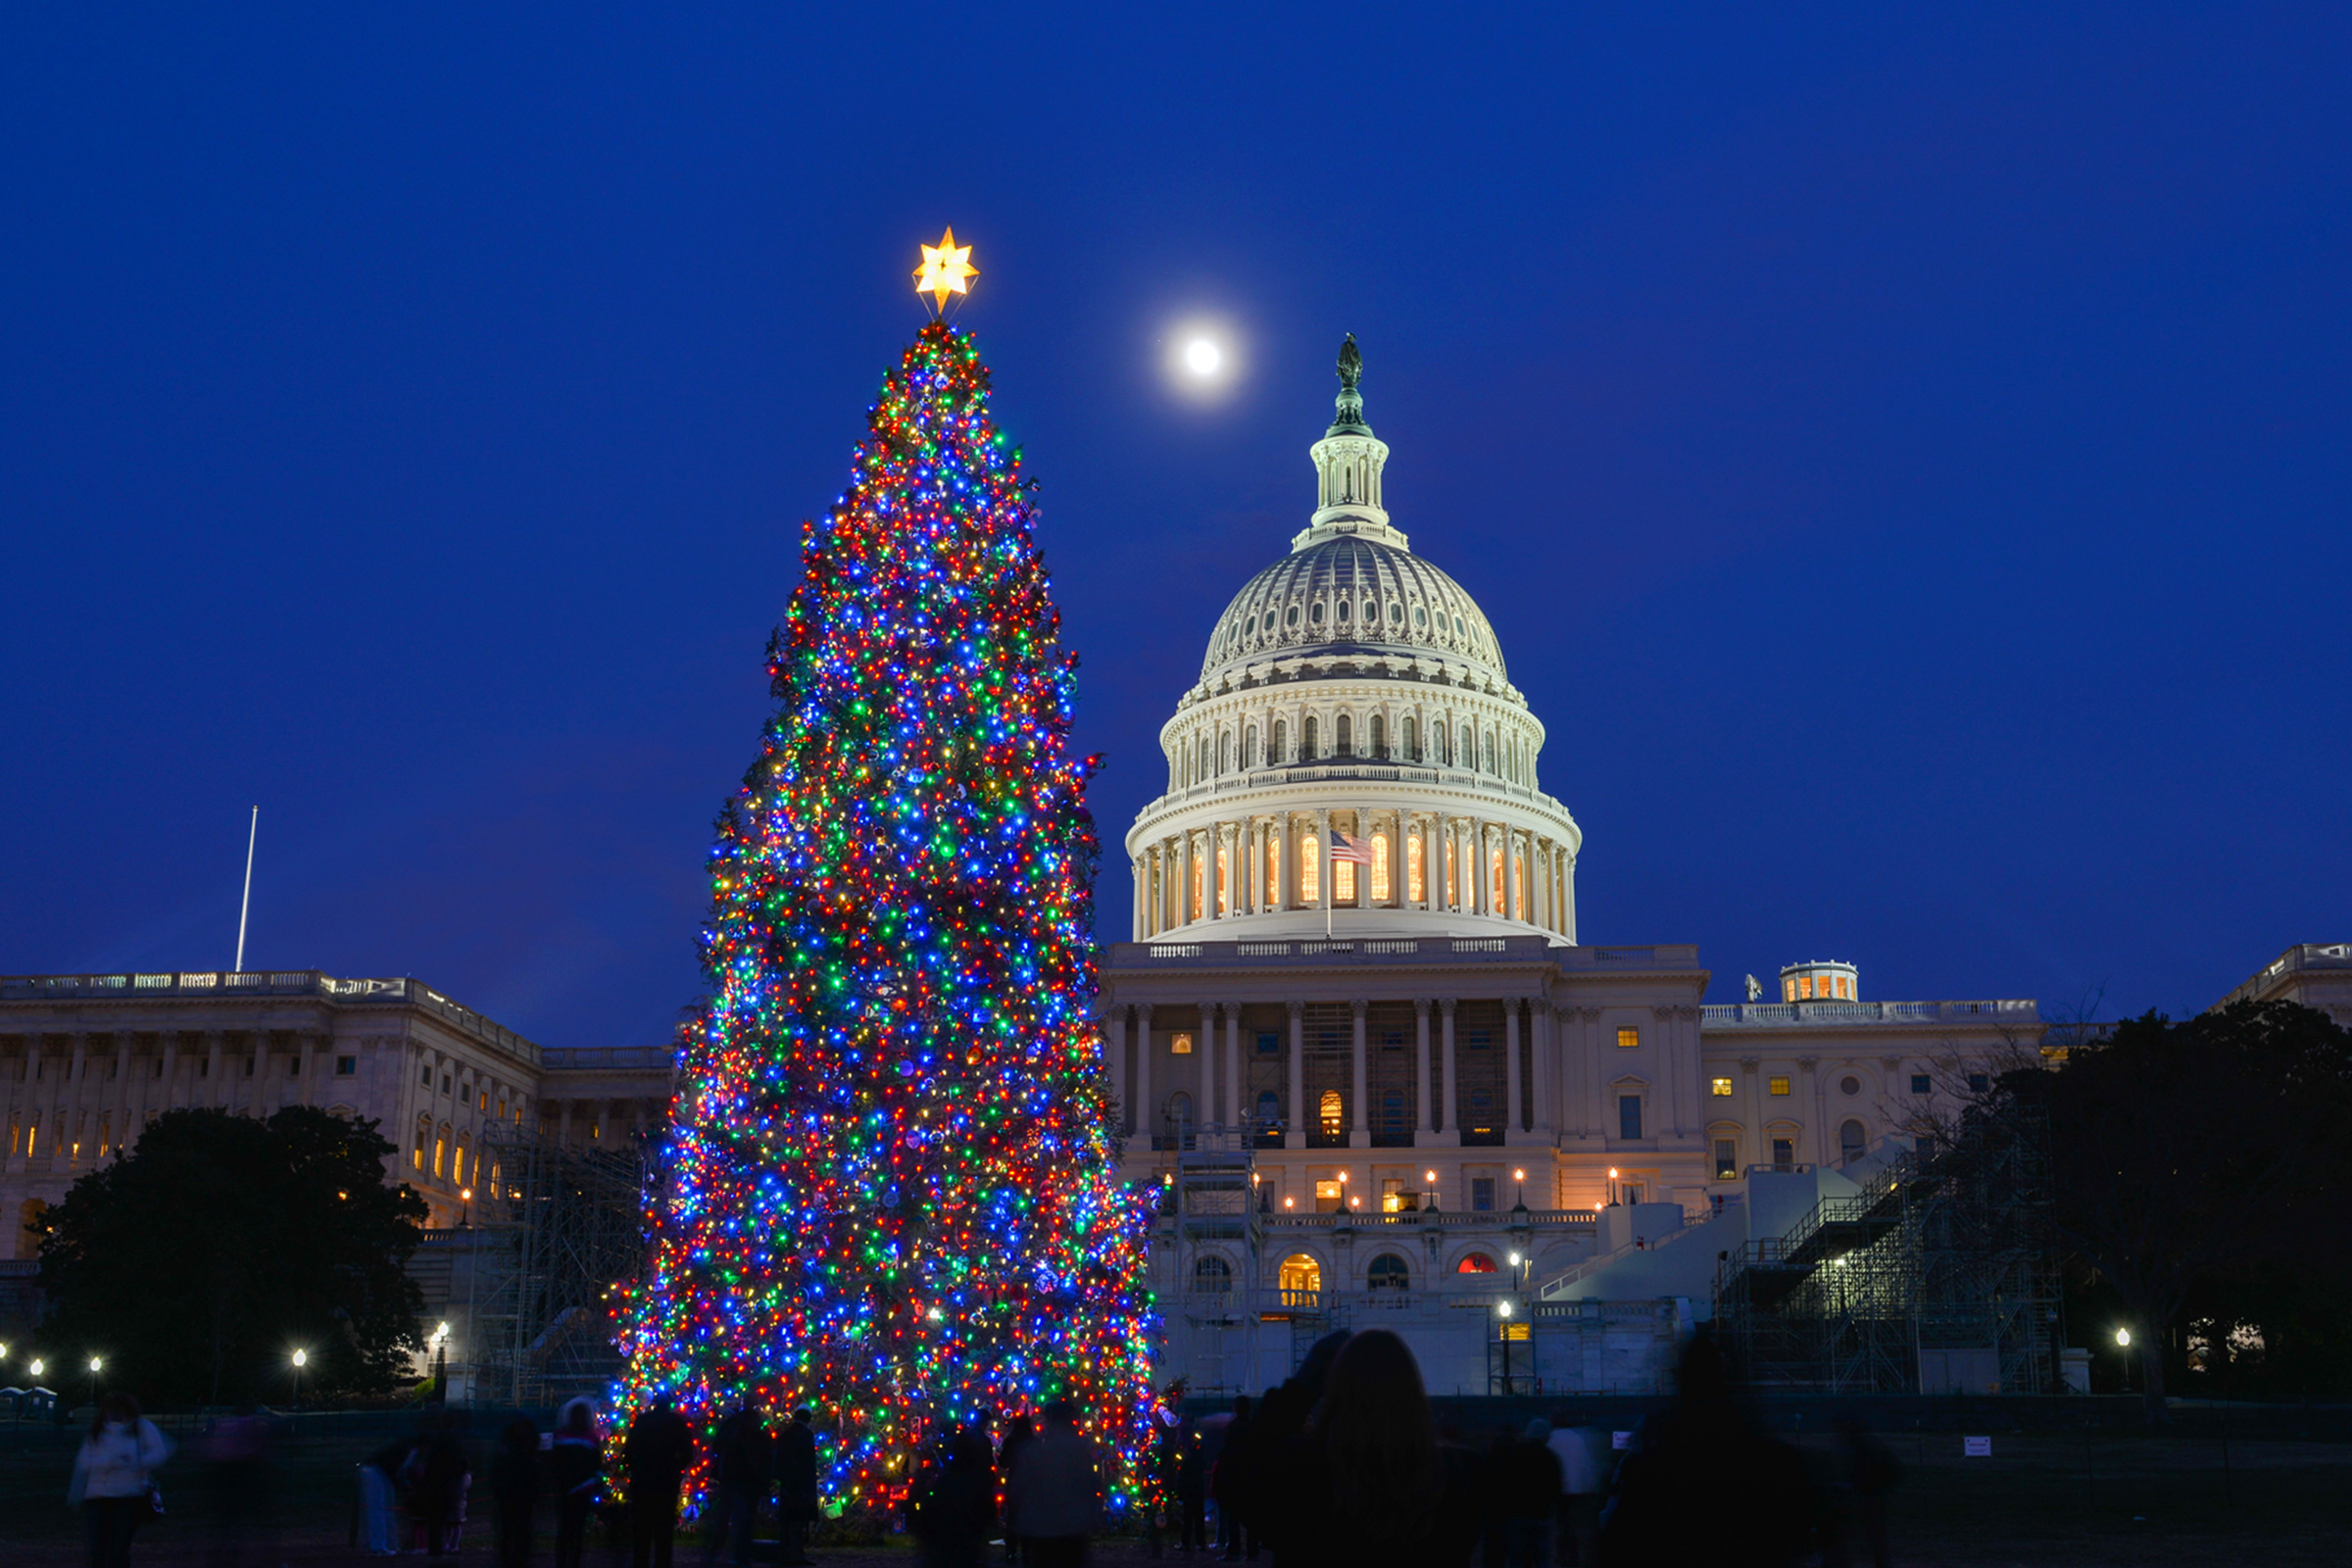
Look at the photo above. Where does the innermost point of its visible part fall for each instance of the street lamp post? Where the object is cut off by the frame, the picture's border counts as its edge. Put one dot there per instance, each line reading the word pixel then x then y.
pixel 2123 1339
pixel 300 1357
pixel 1503 1311
pixel 95 1363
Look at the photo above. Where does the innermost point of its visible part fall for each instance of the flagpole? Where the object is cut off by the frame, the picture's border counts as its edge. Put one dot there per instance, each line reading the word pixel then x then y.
pixel 246 908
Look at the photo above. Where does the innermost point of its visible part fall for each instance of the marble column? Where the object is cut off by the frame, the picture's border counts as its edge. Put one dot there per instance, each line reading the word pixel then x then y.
pixel 1114 1041
pixel 1294 1112
pixel 1359 1125
pixel 1449 1107
pixel 1512 1100
pixel 1233 1064
pixel 1424 1121
pixel 1146 1114
pixel 1205 1051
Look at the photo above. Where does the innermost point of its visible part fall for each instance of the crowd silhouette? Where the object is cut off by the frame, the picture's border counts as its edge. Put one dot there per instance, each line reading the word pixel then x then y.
pixel 1346 1462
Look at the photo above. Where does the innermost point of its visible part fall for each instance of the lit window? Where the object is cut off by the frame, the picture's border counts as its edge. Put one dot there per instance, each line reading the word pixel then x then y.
pixel 485 1100
pixel 1380 868
pixel 1343 881
pixel 1413 872
pixel 1475 1263
pixel 1329 1196
pixel 1727 1159
pixel 1329 1113
pixel 1922 1084
pixel 1224 899
pixel 1311 868
pixel 1629 1116
pixel 1300 1272
pixel 1627 1038
pixel 1495 881
pixel 1780 1086
pixel 1274 870
pixel 440 1155
pixel 1180 1045
pixel 1387 1272
pixel 1721 1087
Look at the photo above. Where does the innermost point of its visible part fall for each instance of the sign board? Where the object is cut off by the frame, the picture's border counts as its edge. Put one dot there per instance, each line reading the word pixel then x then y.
pixel 1975 1448
pixel 1621 1439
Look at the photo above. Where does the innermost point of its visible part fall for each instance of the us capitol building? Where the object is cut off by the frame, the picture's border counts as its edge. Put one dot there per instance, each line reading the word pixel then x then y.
pixel 1363 1052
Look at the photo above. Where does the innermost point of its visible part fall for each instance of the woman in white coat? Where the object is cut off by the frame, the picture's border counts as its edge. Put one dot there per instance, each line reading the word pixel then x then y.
pixel 114 1478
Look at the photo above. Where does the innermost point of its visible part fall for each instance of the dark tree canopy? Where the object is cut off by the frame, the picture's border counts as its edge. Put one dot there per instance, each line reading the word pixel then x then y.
pixel 201 1260
pixel 2195 1169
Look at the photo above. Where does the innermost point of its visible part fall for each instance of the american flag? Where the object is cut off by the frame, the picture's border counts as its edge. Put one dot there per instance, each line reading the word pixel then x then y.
pixel 1343 847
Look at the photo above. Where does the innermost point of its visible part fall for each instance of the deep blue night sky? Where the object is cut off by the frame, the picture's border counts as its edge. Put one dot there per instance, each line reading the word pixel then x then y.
pixel 1904 457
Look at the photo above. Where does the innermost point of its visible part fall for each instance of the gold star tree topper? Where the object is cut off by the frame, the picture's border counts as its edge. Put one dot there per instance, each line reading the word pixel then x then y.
pixel 947 270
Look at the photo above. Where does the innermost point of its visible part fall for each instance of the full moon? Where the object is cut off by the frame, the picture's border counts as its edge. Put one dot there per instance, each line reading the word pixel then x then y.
pixel 1201 357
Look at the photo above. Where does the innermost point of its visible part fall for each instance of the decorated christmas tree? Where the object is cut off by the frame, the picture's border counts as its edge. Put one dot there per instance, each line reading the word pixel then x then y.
pixel 890 1187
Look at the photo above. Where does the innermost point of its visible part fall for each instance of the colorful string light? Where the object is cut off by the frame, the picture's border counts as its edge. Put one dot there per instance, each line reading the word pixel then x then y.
pixel 890 1187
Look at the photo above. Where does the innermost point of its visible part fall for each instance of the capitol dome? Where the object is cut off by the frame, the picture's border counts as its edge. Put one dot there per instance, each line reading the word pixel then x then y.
pixel 1352 595
pixel 1354 744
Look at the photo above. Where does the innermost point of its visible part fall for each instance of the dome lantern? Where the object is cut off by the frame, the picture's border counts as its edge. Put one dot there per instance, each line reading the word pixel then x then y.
pixel 1349 461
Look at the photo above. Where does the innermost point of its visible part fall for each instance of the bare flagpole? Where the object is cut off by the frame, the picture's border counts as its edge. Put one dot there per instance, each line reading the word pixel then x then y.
pixel 246 908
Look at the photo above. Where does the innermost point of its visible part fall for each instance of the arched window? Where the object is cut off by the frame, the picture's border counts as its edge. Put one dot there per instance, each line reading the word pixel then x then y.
pixel 1307 748
pixel 1380 868
pixel 456 1165
pixel 1290 616
pixel 1281 744
pixel 1487 754
pixel 1250 747
pixel 1387 1272
pixel 1310 870
pixel 1346 739
pixel 1225 750
pixel 1224 898
pixel 1274 870
pixel 1199 878
pixel 1341 610
pixel 1475 1263
pixel 441 1152
pixel 1316 613
pixel 1379 736
pixel 1213 1275
pixel 1494 876
pixel 1519 905
pixel 1467 757
pixel 1300 1272
pixel 1331 1113
pixel 1850 1142
pixel 1412 753
pixel 1416 874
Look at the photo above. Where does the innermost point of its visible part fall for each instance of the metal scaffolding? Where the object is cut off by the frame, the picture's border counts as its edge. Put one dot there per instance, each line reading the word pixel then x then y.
pixel 561 1231
pixel 1941 1274
pixel 1211 1204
